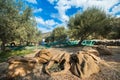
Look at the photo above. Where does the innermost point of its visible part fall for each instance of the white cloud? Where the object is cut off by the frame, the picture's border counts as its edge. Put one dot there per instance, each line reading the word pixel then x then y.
pixel 118 16
pixel 53 15
pixel 37 10
pixel 39 20
pixel 50 22
pixel 52 1
pixel 116 9
pixel 104 4
pixel 44 30
pixel 46 23
pixel 32 1
pixel 63 5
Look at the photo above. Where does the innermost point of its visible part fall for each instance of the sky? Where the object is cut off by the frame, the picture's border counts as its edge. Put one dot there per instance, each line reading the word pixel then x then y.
pixel 50 14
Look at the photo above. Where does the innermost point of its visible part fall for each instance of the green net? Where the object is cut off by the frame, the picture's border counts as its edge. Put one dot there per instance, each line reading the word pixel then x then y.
pixel 88 43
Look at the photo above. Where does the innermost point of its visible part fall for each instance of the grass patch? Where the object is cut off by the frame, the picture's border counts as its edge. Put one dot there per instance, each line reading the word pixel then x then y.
pixel 5 55
pixel 17 51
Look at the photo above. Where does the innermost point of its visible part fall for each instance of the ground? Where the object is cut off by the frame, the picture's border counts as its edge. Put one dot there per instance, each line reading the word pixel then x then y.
pixel 109 71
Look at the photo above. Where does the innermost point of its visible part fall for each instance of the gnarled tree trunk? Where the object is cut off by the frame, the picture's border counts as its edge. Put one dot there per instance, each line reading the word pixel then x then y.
pixel 3 46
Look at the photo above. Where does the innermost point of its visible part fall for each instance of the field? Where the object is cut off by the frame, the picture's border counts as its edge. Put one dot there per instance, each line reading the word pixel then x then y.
pixel 110 67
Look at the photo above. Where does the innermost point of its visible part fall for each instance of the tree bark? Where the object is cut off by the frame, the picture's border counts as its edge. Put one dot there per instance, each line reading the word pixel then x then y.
pixel 3 46
pixel 82 38
pixel 27 43
pixel 80 42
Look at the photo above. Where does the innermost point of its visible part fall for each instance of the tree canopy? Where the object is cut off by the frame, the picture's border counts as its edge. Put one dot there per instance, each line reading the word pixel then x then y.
pixel 16 22
pixel 58 34
pixel 115 32
pixel 92 21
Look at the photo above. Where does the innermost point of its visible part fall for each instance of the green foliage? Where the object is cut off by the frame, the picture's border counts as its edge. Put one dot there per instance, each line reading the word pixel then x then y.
pixel 49 39
pixel 17 22
pixel 115 32
pixel 59 34
pixel 8 21
pixel 17 51
pixel 5 55
pixel 91 21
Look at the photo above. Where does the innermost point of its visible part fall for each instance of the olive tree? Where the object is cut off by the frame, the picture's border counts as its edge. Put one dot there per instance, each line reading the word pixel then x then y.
pixel 91 21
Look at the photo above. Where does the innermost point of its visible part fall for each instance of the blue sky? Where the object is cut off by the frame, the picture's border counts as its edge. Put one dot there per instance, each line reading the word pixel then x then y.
pixel 50 14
